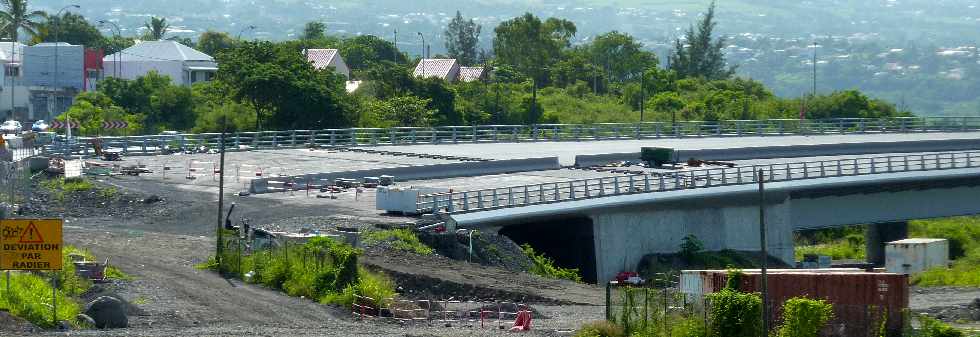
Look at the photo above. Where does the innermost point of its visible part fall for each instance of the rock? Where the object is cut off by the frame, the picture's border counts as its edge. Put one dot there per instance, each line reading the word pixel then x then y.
pixel 64 326
pixel 85 320
pixel 107 312
pixel 152 199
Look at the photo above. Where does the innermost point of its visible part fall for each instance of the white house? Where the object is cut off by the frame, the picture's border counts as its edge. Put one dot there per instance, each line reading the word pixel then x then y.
pixel 183 64
pixel 11 56
pixel 326 58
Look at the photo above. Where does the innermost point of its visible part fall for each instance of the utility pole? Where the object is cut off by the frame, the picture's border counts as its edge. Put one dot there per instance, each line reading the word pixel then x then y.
pixel 643 91
pixel 765 253
pixel 221 195
pixel 814 68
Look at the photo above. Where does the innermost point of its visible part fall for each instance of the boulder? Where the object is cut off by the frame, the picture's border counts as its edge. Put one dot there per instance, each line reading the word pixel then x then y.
pixel 107 312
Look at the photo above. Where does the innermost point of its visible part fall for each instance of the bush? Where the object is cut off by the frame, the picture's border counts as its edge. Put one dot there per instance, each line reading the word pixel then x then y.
pixel 803 317
pixel 400 239
pixel 691 247
pixel 545 266
pixel 735 314
pixel 600 329
pixel 934 328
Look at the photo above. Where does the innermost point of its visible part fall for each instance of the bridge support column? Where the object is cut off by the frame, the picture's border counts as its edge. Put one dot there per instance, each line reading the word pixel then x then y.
pixel 876 235
pixel 622 237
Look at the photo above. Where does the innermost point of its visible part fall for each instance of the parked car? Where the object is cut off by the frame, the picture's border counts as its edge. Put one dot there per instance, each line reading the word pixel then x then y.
pixel 13 127
pixel 40 126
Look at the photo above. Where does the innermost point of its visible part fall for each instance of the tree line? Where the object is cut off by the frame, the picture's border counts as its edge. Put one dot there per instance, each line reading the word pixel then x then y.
pixel 538 71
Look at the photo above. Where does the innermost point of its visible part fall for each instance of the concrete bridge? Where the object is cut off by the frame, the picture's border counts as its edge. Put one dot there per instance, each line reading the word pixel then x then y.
pixel 604 227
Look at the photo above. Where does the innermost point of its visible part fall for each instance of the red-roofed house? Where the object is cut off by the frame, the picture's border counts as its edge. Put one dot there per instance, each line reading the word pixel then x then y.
pixel 324 58
pixel 446 69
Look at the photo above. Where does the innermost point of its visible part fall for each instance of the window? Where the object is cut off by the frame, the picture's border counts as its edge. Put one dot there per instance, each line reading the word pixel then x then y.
pixel 11 70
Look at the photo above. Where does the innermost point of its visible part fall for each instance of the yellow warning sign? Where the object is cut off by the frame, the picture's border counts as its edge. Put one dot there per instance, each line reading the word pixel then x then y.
pixel 30 244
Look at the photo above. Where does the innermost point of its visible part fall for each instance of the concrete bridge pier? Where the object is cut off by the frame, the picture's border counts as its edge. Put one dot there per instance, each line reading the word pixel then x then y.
pixel 876 235
pixel 623 236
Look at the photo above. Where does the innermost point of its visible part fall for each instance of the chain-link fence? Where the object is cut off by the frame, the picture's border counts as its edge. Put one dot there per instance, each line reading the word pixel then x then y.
pixel 15 182
pixel 666 312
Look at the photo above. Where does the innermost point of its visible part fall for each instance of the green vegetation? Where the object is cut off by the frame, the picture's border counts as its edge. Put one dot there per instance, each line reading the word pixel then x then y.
pixel 30 293
pixel 839 243
pixel 400 239
pixel 62 187
pixel 600 329
pixel 609 78
pixel 30 299
pixel 545 266
pixel 113 273
pixel 803 317
pixel 931 327
pixel 321 269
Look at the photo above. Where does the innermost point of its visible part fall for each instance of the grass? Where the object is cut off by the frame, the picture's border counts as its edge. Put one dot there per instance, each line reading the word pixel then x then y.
pixel 839 243
pixel 62 187
pixel 30 299
pixel 30 293
pixel 114 273
pixel 545 266
pixel 321 270
pixel 400 239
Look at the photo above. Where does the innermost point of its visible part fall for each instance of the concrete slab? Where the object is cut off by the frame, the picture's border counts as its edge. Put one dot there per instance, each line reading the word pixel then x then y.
pixel 566 151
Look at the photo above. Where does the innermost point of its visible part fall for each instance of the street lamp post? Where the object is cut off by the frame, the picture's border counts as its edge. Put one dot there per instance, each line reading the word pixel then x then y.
pixel 239 36
pixel 57 32
pixel 116 55
pixel 422 55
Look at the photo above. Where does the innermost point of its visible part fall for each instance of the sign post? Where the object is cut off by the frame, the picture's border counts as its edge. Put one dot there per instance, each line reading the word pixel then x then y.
pixel 32 244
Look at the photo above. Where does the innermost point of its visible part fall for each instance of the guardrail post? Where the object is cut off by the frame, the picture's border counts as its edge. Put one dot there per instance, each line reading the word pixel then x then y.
pixel 452 204
pixel 658 127
pixel 724 177
pixel 479 199
pixel 806 171
pixel 496 201
pixel 476 134
pixel 646 183
pixel 637 132
pixel 663 185
pixel 571 190
pixel 823 171
pixel 454 136
pixel 738 173
pixel 527 195
pixel 889 164
pixel 952 160
pixel 588 194
pixel 874 168
pixel 333 138
pixel 510 196
pixel 677 181
pixel 969 160
pixel 615 185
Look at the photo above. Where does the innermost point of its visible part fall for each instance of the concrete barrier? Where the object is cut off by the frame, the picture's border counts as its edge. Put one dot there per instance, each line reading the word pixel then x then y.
pixel 794 151
pixel 422 172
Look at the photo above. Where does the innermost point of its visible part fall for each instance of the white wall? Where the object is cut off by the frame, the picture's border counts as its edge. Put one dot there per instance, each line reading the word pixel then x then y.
pixel 133 69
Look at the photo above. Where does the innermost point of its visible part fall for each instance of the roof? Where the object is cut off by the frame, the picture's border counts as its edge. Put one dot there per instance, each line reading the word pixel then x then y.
pixel 915 241
pixel 5 51
pixel 321 58
pixel 470 74
pixel 164 50
pixel 435 68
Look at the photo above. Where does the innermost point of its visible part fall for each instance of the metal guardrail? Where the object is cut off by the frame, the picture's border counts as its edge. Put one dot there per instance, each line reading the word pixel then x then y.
pixel 157 144
pixel 526 195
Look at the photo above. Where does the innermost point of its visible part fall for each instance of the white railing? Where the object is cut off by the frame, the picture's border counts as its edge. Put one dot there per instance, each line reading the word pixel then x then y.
pixel 156 144
pixel 526 195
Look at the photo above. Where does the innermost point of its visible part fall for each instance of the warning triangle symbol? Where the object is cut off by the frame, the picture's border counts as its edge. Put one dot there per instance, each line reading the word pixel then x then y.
pixel 31 235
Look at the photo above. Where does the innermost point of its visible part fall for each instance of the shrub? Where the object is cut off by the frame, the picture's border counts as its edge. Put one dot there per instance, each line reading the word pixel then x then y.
pixel 600 329
pixel 545 266
pixel 803 317
pixel 934 328
pixel 400 239
pixel 691 246
pixel 735 314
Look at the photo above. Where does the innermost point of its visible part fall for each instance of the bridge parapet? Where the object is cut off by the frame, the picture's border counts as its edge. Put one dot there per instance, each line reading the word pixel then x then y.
pixel 527 195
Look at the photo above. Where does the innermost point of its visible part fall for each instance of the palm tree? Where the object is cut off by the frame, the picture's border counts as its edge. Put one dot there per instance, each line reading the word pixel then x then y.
pixel 15 16
pixel 156 28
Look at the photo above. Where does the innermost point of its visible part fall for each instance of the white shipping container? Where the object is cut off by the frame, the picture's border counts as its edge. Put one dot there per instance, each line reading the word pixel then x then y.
pixel 400 199
pixel 911 256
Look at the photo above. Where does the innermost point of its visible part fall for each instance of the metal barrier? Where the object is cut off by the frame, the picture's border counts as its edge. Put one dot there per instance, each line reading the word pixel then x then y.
pixel 243 141
pixel 525 195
